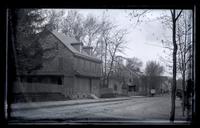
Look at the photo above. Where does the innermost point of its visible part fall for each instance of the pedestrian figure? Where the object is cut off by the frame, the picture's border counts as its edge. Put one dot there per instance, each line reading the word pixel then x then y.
pixel 153 91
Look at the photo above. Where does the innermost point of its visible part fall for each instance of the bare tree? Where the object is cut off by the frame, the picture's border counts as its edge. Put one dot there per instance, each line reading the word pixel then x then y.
pixel 134 65
pixel 54 18
pixel 104 42
pixel 175 47
pixel 92 29
pixel 152 71
pixel 183 33
pixel 153 68
pixel 174 18
pixel 116 45
pixel 73 25
pixel 138 15
pixel 119 68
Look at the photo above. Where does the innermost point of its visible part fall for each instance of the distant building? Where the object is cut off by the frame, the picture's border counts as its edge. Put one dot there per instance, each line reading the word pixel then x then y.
pixel 127 82
pixel 161 84
pixel 69 72
pixel 123 81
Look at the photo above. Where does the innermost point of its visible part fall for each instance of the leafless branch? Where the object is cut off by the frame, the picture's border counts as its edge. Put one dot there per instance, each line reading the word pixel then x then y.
pixel 179 14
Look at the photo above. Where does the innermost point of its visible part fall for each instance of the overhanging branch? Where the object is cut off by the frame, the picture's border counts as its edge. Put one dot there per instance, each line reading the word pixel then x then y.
pixel 178 15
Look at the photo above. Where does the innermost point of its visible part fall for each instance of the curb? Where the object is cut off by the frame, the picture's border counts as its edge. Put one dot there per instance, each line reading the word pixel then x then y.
pixel 56 105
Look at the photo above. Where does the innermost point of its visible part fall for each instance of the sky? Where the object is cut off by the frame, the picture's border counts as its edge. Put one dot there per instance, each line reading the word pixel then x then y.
pixel 143 40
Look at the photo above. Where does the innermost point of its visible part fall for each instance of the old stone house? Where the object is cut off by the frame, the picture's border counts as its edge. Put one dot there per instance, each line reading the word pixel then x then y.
pixel 70 71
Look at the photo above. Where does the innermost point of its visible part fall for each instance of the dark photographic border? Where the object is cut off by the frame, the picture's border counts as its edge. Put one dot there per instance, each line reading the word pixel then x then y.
pixel 138 4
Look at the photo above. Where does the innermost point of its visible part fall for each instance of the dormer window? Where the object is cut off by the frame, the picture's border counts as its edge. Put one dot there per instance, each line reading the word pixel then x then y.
pixel 88 50
pixel 78 46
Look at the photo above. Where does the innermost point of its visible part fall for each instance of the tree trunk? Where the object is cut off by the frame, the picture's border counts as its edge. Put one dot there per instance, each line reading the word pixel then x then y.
pixel 173 95
pixel 183 93
pixel 12 57
pixel 105 71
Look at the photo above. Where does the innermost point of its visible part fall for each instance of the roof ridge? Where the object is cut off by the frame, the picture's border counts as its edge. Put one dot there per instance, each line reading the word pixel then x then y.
pixel 62 37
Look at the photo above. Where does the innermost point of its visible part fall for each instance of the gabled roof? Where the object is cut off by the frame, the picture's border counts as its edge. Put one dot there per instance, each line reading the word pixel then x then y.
pixel 87 74
pixel 67 41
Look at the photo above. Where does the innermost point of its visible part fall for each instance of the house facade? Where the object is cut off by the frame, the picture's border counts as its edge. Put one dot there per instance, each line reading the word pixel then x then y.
pixel 122 80
pixel 69 71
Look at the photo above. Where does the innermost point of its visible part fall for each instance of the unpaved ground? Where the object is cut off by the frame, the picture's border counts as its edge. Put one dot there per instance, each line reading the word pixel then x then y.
pixel 146 108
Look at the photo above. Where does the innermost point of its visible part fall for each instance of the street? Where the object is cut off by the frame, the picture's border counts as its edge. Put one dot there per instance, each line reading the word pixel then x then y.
pixel 135 108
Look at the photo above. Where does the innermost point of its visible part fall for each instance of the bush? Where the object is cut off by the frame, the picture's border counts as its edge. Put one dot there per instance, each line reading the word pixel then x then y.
pixel 108 95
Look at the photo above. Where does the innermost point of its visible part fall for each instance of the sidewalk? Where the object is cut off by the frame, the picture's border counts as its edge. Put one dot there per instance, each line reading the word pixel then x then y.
pixel 34 105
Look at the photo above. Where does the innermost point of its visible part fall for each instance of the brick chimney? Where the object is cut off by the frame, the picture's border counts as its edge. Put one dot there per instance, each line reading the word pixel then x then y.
pixel 78 46
pixel 88 50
